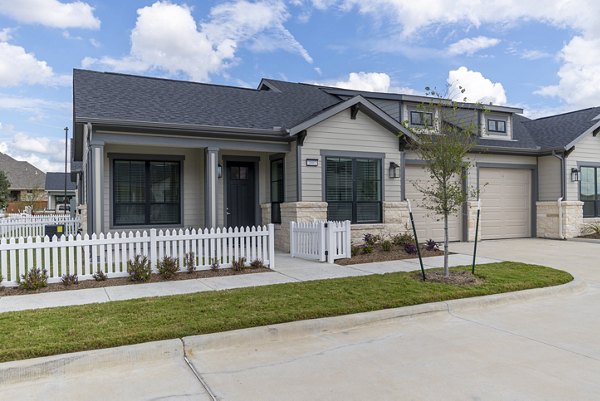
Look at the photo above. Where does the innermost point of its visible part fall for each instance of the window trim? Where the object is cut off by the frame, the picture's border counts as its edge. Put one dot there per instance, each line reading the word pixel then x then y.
pixel 354 156
pixel 148 158
pixel 596 200
pixel 496 131
pixel 271 161
pixel 421 113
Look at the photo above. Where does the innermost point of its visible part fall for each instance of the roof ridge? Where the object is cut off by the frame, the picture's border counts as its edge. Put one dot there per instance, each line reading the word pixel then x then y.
pixel 567 112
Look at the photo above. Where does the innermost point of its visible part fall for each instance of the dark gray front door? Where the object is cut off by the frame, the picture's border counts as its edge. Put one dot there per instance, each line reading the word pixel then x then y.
pixel 241 194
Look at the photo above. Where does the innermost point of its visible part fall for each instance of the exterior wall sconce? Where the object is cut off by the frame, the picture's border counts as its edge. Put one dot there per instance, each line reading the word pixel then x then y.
pixel 219 171
pixel 575 175
pixel 394 171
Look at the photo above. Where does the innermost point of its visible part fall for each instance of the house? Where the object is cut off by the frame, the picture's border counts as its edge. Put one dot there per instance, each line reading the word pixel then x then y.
pixel 167 153
pixel 26 183
pixel 55 188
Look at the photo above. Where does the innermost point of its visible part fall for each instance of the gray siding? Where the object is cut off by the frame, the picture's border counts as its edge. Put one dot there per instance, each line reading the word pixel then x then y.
pixel 586 151
pixel 548 178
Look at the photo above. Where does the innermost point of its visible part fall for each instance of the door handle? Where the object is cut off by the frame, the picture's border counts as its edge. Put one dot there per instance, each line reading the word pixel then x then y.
pixel 227 211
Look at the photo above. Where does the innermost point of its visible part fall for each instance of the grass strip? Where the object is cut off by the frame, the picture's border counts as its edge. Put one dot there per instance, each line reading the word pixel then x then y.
pixel 43 332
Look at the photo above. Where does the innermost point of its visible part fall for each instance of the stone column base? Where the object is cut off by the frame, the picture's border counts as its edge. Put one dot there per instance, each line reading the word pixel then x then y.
pixel 547 219
pixel 298 212
pixel 472 221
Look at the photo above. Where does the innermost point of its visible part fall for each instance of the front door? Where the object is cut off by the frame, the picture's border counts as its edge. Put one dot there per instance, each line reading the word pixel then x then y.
pixel 241 194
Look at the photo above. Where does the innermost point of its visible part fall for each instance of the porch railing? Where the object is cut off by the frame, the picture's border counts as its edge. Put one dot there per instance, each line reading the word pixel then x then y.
pixel 320 240
pixel 85 255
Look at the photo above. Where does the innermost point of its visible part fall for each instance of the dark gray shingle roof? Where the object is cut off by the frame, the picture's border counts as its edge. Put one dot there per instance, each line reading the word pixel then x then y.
pixel 560 130
pixel 112 96
pixel 21 174
pixel 522 138
pixel 56 182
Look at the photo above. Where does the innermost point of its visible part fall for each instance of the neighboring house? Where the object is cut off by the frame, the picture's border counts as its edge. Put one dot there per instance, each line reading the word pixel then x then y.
pixel 167 153
pixel 55 187
pixel 26 180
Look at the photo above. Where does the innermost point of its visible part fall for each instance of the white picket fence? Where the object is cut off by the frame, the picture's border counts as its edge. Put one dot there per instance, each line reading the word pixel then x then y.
pixel 320 240
pixel 33 226
pixel 85 255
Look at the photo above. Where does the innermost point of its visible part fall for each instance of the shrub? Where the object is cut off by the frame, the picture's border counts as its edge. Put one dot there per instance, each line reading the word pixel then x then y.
pixel 189 262
pixel 34 279
pixel 591 228
pixel 100 275
pixel 371 239
pixel 366 249
pixel 69 279
pixel 239 264
pixel 168 267
pixel 214 266
pixel 410 248
pixel 404 238
pixel 431 245
pixel 139 269
pixel 386 245
pixel 257 264
pixel 355 250
pixel 1 278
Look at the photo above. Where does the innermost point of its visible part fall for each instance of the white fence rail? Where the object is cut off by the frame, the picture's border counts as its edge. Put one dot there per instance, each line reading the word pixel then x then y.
pixel 34 226
pixel 85 255
pixel 320 240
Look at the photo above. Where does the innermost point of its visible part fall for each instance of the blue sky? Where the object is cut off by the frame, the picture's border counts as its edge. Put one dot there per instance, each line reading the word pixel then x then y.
pixel 538 55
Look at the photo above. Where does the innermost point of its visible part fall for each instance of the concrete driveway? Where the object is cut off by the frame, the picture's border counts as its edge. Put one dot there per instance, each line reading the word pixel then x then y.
pixel 541 349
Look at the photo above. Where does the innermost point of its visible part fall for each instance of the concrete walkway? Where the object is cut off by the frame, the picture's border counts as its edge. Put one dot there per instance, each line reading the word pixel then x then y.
pixel 287 270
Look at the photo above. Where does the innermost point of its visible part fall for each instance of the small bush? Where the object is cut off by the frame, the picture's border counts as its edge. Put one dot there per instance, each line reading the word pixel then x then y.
pixel 34 279
pixel 372 239
pixel 168 267
pixel 100 275
pixel 366 249
pixel 410 248
pixel 591 228
pixel 257 264
pixel 69 279
pixel 239 264
pixel 404 238
pixel 355 250
pixel 431 245
pixel 139 269
pixel 215 265
pixel 1 278
pixel 189 262
pixel 386 245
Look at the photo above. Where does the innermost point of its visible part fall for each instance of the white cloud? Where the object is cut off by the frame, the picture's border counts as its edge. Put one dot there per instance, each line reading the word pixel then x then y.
pixel 368 81
pixel 18 67
pixel 470 46
pixel 534 54
pixel 5 34
pixel 579 76
pixel 51 13
pixel 167 38
pixel 477 87
pixel 47 154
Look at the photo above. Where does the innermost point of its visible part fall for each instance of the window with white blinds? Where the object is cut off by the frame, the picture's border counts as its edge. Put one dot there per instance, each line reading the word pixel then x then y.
pixel 353 189
pixel 146 192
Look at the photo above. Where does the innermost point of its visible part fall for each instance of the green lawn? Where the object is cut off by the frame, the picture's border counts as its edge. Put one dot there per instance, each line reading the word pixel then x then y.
pixel 59 330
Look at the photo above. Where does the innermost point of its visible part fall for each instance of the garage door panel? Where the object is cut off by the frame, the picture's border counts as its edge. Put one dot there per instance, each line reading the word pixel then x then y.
pixel 506 202
pixel 427 222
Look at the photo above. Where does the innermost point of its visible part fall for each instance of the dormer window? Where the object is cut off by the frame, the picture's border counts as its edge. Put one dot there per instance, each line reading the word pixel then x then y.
pixel 421 118
pixel 496 126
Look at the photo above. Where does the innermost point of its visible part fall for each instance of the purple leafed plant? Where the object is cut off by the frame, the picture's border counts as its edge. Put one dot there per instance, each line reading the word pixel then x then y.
pixel 431 245
pixel 410 248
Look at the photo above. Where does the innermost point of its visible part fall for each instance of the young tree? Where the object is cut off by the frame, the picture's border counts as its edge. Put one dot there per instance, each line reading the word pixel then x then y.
pixel 4 190
pixel 32 199
pixel 445 139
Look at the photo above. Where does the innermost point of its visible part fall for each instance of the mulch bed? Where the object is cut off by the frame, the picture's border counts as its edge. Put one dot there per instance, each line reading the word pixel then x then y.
pixel 461 277
pixel 379 255
pixel 110 282
pixel 591 236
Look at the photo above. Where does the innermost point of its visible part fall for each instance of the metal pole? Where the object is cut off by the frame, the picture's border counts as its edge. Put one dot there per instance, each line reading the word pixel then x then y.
pixel 476 234
pixel 412 222
pixel 65 198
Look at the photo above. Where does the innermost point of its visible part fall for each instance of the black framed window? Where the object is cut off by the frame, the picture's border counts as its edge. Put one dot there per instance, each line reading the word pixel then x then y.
pixel 421 118
pixel 589 191
pixel 353 188
pixel 146 192
pixel 496 126
pixel 277 192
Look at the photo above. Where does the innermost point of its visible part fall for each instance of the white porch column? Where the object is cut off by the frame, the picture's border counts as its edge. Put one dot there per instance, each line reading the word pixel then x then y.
pixel 210 178
pixel 97 216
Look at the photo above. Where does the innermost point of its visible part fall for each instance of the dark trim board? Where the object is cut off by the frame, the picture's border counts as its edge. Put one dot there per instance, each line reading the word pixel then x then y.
pixel 534 186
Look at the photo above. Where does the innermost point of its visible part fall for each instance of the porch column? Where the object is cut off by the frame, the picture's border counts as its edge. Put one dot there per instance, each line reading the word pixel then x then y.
pixel 211 157
pixel 96 196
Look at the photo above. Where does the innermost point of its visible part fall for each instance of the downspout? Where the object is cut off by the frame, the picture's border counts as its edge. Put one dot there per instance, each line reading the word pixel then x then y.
pixel 560 223
pixel 562 194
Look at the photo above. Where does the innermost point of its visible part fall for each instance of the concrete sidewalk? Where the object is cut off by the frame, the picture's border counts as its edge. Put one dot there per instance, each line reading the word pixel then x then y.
pixel 287 270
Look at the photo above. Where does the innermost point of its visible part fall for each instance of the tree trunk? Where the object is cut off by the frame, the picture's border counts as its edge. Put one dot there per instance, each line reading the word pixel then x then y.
pixel 446 271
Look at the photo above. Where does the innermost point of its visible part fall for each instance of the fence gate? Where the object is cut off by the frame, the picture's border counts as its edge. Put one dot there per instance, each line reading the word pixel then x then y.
pixel 320 240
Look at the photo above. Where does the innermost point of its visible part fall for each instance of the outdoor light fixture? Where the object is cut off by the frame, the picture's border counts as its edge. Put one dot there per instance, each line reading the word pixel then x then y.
pixel 575 175
pixel 394 170
pixel 219 171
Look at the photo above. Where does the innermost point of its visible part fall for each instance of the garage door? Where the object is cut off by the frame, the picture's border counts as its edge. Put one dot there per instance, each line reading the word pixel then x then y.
pixel 505 203
pixel 428 225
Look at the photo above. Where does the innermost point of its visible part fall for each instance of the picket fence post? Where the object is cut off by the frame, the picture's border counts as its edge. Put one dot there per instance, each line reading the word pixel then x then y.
pixel 292 239
pixel 271 245
pixel 348 247
pixel 153 258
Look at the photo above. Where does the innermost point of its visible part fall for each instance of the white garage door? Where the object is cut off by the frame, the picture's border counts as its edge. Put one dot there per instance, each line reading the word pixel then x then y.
pixel 505 203
pixel 428 225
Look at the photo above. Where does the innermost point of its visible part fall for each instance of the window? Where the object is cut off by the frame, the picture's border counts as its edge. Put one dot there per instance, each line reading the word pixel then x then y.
pixel 589 191
pixel 146 192
pixel 353 189
pixel 276 190
pixel 496 126
pixel 421 118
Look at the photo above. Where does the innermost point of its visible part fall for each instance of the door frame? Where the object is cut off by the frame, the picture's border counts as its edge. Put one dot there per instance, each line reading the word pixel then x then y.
pixel 255 160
